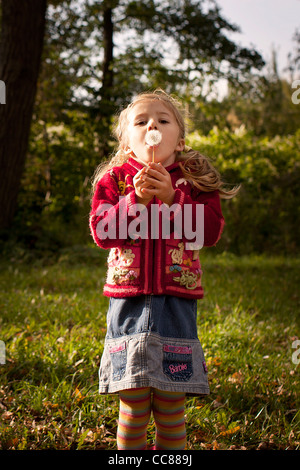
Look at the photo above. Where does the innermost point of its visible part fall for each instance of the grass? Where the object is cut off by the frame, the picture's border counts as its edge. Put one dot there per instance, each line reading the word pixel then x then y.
pixel 52 322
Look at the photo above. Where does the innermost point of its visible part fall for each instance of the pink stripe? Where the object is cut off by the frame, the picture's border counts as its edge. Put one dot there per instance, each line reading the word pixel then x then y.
pixel 170 438
pixel 133 400
pixel 131 437
pixel 136 428
pixel 177 349
pixel 169 416
pixel 135 415
pixel 172 426
pixel 171 401
pixel 114 349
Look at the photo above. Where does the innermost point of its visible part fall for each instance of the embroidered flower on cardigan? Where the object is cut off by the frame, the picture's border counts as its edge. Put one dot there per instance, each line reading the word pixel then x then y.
pixel 127 256
pixel 121 182
pixel 113 255
pixel 187 262
pixel 121 256
pixel 199 272
pixel 122 187
pixel 175 268
pixel 119 275
pixel 180 181
pixel 177 254
pixel 187 279
pixel 131 275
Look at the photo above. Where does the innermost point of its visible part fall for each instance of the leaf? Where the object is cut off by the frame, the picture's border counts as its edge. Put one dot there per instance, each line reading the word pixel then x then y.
pixel 78 395
pixel 82 438
pixel 237 377
pixel 51 406
pixel 7 415
pixel 228 432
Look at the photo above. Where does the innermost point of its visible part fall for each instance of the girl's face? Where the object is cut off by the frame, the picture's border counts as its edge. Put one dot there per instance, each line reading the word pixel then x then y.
pixel 148 115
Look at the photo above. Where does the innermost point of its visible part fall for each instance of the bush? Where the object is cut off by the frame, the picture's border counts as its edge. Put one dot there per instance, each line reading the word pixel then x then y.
pixel 265 216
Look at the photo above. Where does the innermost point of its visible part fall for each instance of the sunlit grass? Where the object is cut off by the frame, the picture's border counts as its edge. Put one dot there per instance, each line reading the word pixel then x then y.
pixel 53 323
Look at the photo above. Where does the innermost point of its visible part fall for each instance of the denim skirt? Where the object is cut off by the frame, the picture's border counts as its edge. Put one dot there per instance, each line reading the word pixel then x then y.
pixel 152 341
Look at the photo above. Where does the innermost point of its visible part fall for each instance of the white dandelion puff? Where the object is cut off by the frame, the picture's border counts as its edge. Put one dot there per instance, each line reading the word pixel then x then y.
pixel 153 137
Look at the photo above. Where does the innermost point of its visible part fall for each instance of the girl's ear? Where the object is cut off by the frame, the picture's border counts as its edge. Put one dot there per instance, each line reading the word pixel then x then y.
pixel 180 145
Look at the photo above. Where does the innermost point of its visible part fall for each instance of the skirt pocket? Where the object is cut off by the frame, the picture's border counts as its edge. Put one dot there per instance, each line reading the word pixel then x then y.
pixel 118 356
pixel 177 362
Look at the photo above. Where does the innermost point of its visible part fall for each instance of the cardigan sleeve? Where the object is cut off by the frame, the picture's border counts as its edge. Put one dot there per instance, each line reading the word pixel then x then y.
pixel 207 221
pixel 110 213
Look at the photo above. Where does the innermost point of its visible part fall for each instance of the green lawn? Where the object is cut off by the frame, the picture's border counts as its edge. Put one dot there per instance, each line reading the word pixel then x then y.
pixel 53 326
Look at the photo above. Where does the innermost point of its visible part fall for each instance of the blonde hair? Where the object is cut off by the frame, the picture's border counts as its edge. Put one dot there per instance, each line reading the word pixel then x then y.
pixel 196 168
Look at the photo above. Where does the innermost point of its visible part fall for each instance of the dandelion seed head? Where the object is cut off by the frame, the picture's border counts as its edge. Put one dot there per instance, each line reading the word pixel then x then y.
pixel 153 137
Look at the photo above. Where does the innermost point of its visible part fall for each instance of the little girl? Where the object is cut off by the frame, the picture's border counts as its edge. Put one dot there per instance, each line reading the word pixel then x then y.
pixel 152 355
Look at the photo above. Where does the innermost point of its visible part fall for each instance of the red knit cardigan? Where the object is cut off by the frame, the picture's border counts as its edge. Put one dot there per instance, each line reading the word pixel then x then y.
pixel 150 250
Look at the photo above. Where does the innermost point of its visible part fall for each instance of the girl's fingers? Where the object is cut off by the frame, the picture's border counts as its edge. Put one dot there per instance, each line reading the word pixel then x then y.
pixel 140 173
pixel 152 172
pixel 155 173
pixel 142 183
pixel 152 181
pixel 137 180
pixel 157 167
pixel 147 185
pixel 154 176
pixel 149 190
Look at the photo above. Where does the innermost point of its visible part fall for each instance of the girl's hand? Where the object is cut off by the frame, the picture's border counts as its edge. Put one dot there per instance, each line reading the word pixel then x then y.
pixel 156 181
pixel 140 185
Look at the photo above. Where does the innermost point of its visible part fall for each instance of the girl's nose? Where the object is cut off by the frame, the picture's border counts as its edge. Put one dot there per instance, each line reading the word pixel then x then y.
pixel 152 125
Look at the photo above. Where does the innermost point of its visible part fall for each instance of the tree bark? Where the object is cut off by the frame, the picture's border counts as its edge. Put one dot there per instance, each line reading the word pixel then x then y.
pixel 106 93
pixel 107 80
pixel 21 44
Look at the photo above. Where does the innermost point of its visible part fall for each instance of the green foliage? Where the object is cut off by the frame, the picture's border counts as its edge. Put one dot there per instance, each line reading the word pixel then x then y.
pixel 262 104
pixel 54 202
pixel 265 215
pixel 155 44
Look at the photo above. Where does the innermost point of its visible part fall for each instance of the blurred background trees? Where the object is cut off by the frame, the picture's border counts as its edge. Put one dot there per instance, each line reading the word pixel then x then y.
pixel 21 46
pixel 96 56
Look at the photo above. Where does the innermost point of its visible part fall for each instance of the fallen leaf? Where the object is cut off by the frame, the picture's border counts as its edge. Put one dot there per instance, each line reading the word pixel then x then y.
pixel 7 415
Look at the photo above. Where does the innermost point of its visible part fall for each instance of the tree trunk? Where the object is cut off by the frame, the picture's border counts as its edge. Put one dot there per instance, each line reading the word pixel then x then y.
pixel 107 80
pixel 21 44
pixel 106 105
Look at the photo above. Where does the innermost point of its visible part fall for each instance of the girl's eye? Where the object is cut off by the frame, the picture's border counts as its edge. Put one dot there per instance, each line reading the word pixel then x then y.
pixel 163 121
pixel 140 123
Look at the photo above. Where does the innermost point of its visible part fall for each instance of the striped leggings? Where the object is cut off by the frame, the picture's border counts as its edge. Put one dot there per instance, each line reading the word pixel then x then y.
pixel 135 412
